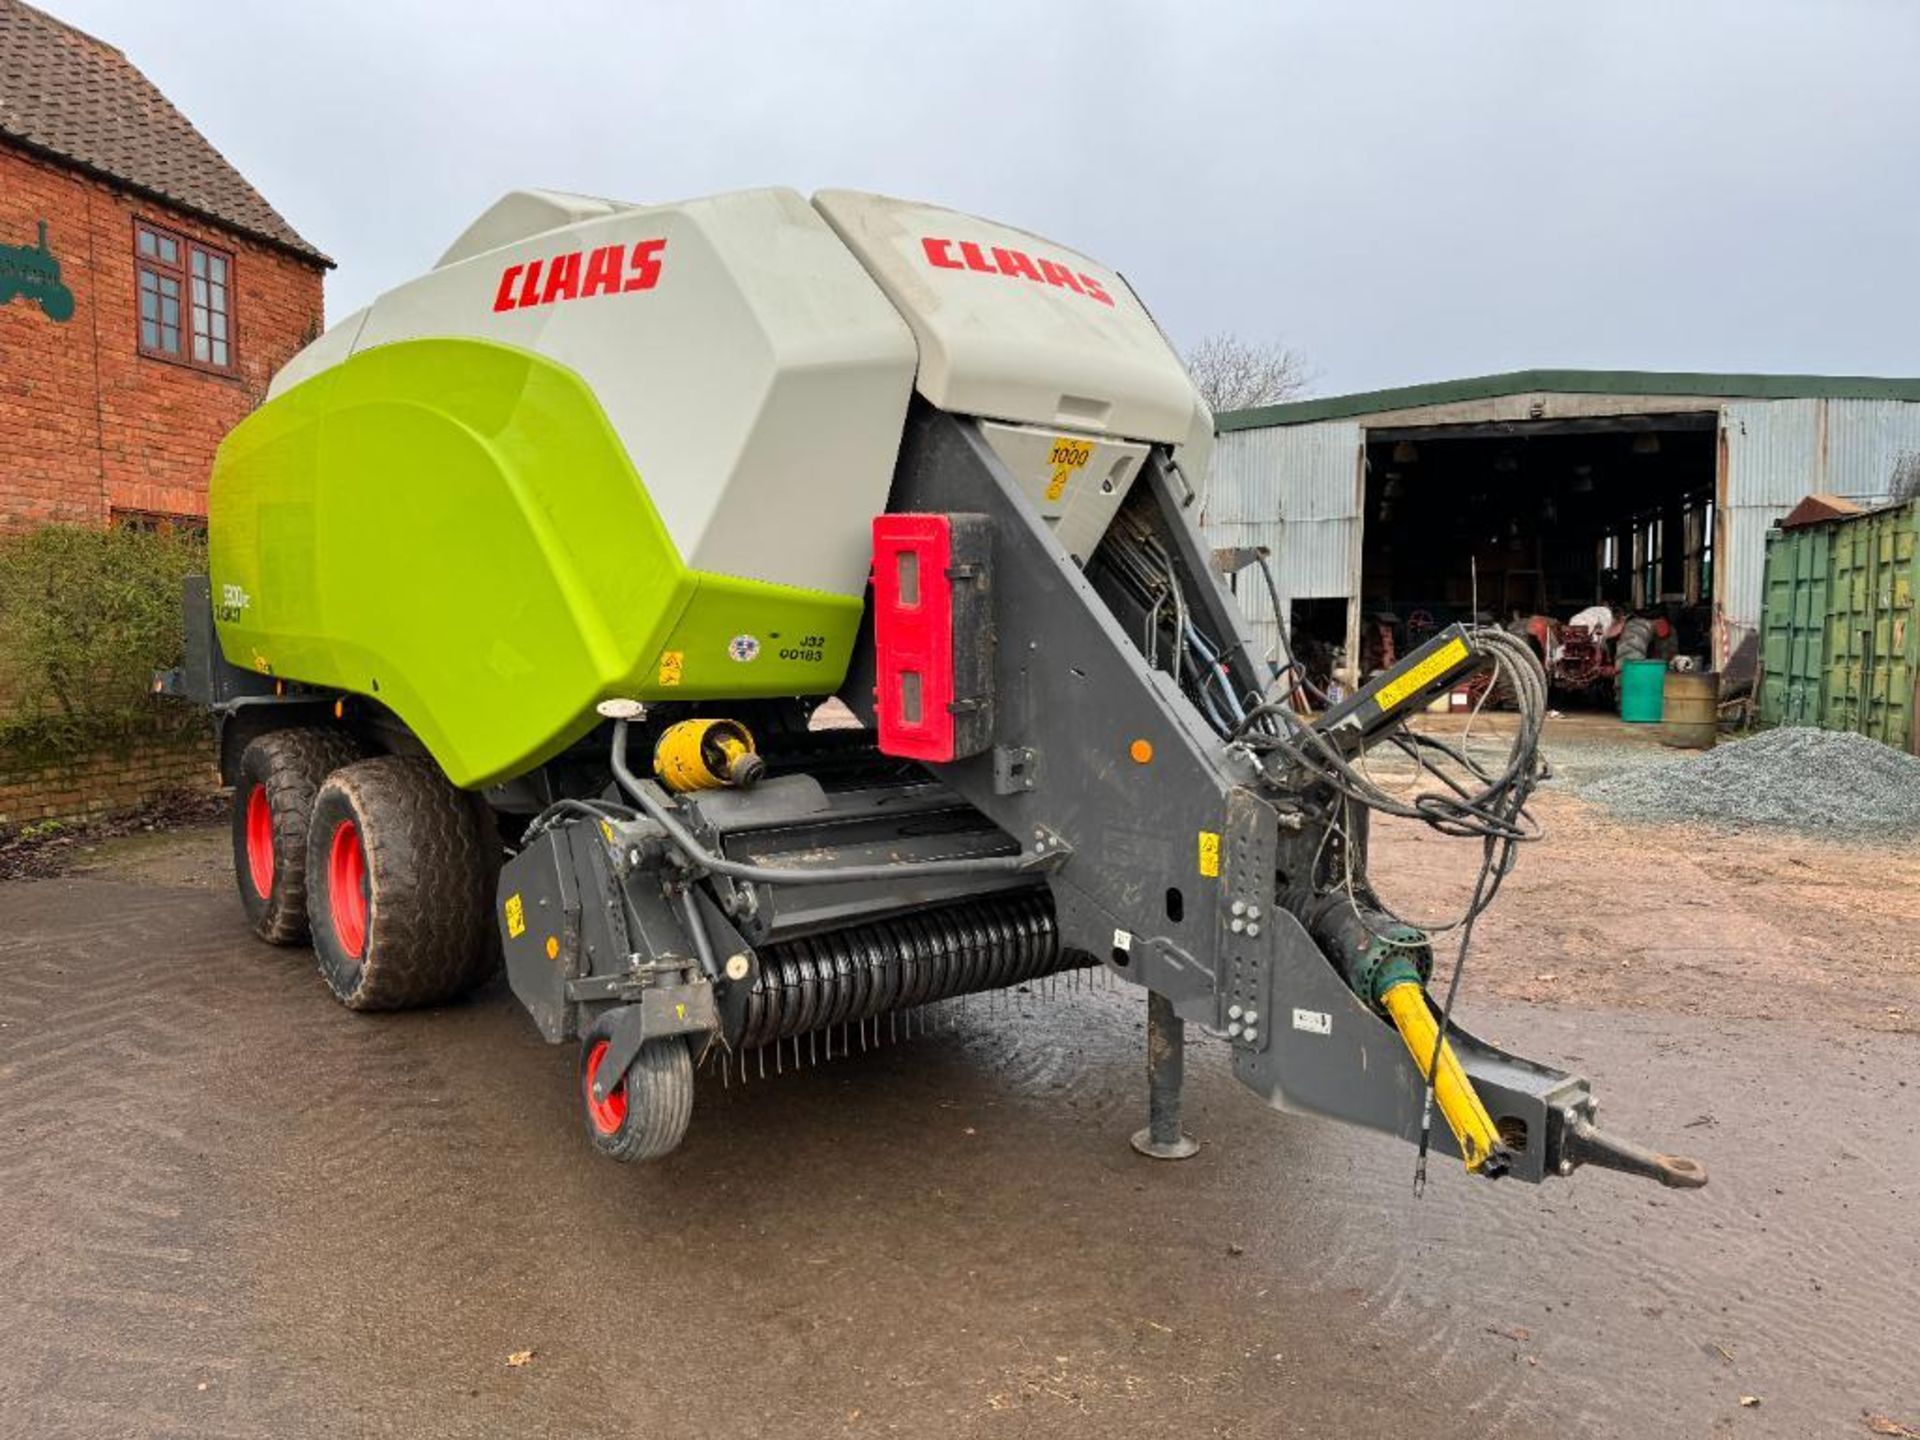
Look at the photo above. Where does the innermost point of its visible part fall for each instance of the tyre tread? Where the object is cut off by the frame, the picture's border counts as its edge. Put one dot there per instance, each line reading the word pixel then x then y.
pixel 430 869
pixel 659 1099
pixel 292 764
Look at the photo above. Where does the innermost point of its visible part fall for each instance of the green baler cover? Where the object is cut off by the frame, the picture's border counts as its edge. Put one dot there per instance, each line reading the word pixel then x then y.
pixel 453 528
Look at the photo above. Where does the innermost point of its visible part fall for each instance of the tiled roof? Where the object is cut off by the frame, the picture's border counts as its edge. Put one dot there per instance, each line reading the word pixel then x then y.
pixel 78 99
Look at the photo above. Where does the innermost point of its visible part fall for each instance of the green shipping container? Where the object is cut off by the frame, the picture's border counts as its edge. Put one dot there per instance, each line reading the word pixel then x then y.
pixel 1838 647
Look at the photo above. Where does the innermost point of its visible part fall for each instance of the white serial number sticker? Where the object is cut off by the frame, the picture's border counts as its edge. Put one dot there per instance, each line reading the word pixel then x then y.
pixel 1314 1022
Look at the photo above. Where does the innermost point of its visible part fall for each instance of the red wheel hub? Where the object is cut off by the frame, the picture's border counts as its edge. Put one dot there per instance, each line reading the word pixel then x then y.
pixel 347 888
pixel 610 1114
pixel 260 842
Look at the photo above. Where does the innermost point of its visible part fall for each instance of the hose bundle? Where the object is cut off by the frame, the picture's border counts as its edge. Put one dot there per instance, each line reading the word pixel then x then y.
pixel 1473 801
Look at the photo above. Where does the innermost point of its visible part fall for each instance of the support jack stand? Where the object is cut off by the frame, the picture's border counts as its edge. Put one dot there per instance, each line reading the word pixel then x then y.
pixel 1163 1138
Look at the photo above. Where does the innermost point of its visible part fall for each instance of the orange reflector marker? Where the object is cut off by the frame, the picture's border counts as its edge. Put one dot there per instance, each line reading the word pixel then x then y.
pixel 553 947
pixel 339 708
pixel 1141 751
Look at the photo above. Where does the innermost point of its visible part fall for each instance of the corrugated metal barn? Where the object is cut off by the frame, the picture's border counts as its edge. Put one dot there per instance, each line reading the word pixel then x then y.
pixel 1545 491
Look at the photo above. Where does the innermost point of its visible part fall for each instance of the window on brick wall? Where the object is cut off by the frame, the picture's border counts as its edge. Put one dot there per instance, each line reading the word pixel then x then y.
pixel 186 298
pixel 158 522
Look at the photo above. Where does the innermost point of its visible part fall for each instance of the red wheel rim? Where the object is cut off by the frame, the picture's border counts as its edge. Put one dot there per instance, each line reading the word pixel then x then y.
pixel 347 888
pixel 260 842
pixel 610 1114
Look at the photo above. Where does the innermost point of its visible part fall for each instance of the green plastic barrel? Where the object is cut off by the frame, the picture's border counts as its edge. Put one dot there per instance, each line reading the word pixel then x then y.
pixel 1642 691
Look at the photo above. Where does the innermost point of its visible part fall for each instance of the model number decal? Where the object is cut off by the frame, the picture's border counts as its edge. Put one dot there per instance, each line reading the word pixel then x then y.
pixel 579 275
pixel 234 601
pixel 810 649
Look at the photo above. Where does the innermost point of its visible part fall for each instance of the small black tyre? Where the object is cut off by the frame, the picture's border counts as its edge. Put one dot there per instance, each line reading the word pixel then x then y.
pixel 280 774
pixel 398 880
pixel 646 1114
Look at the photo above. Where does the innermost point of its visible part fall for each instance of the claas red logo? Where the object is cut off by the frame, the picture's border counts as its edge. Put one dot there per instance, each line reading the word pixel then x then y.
pixel 579 275
pixel 998 260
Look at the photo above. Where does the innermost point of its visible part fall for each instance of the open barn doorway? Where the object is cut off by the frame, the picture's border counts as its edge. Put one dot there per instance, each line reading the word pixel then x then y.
pixel 1593 537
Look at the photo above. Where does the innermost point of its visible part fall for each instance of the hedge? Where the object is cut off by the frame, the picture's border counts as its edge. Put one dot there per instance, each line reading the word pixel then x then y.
pixel 86 617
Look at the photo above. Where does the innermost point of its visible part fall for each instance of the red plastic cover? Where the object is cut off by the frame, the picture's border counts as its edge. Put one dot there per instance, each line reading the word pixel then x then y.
pixel 913 635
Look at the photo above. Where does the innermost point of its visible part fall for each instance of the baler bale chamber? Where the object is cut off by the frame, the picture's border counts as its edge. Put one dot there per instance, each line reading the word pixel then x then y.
pixel 529 582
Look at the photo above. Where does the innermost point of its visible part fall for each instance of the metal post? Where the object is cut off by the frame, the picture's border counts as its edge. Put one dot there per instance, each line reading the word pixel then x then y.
pixel 1163 1138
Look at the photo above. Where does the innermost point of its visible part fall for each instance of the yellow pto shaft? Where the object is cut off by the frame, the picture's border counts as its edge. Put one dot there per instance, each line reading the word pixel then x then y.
pixel 1406 1004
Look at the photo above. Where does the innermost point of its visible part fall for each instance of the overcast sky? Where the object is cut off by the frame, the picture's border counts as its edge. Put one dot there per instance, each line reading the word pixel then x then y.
pixel 1405 191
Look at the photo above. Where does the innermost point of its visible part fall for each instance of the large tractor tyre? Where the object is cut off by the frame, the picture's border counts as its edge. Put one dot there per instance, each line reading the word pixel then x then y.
pixel 398 875
pixel 280 774
pixel 645 1116
pixel 1635 636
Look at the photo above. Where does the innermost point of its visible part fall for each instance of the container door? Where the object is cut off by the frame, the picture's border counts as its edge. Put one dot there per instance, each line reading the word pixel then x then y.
pixel 1845 641
pixel 1890 704
pixel 1793 626
pixel 1812 588
pixel 1794 629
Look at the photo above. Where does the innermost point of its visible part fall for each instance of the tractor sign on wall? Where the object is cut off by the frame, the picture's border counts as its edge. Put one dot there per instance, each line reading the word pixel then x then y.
pixel 31 271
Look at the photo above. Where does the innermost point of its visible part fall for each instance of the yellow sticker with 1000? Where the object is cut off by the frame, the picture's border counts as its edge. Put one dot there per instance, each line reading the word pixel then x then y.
pixel 1066 457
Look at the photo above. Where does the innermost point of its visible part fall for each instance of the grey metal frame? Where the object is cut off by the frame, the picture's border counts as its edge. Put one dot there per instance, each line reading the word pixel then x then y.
pixel 1073 695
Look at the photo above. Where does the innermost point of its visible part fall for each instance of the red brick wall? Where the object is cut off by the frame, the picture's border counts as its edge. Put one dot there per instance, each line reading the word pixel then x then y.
pixel 88 425
pixel 90 787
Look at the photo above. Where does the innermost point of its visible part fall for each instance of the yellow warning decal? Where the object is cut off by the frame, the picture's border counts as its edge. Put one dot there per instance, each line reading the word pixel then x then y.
pixel 1066 457
pixel 516 916
pixel 670 666
pixel 1421 675
pixel 1210 854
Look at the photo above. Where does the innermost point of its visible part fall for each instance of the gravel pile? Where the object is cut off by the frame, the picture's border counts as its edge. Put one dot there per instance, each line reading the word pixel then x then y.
pixel 1817 782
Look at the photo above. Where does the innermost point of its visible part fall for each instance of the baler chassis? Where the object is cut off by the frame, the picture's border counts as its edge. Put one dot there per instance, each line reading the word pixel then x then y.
pixel 1115 793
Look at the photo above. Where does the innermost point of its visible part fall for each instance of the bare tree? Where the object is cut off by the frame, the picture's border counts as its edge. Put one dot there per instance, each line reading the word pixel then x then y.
pixel 1235 374
pixel 1906 476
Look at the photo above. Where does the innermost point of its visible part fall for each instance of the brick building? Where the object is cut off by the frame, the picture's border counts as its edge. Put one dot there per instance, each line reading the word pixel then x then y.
pixel 147 291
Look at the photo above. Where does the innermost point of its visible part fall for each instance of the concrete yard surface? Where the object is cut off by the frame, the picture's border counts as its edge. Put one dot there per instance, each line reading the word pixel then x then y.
pixel 234 1209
